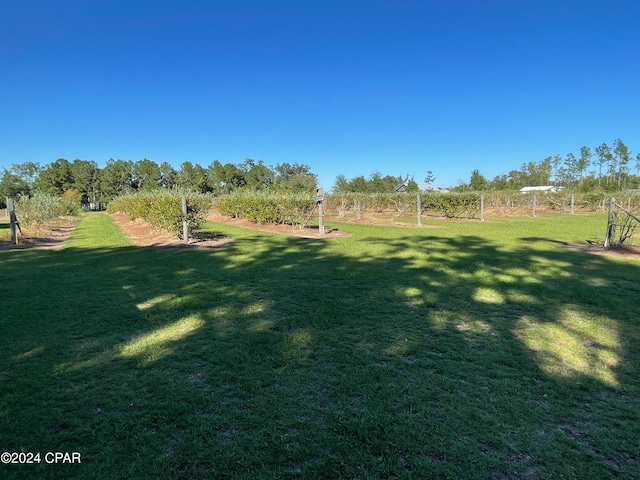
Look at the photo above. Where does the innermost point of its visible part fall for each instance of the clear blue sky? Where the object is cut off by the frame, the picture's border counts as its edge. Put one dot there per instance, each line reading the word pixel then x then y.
pixel 346 87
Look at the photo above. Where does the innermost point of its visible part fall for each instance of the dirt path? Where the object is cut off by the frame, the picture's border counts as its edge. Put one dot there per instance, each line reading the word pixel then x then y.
pixel 294 231
pixel 144 235
pixel 48 237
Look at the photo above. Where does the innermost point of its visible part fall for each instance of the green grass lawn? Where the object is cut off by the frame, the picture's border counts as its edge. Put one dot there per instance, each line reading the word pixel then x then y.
pixel 457 350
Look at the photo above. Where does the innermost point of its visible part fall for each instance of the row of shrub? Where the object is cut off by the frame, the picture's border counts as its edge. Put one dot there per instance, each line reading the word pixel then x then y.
pixel 163 209
pixel 468 204
pixel 267 207
pixel 559 201
pixel 263 207
pixel 40 208
pixel 450 205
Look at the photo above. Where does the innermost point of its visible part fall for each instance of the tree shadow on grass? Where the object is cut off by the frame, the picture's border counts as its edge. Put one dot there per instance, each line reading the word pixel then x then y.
pixel 285 357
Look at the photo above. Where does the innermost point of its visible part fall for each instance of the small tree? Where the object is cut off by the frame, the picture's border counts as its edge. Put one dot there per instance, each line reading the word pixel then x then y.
pixel 429 178
pixel 412 186
pixel 478 181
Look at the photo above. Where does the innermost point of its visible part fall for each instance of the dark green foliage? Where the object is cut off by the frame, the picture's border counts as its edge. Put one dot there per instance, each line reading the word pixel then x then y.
pixel 86 179
pixel 412 187
pixel 478 181
pixel 116 178
pixel 376 183
pixel 56 178
pixel 294 178
pixel 146 174
pixel 453 205
pixel 11 186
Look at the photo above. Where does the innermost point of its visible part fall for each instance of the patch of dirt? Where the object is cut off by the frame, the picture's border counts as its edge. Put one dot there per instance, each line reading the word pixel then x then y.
pixel 296 231
pixel 390 219
pixel 143 234
pixel 628 251
pixel 47 237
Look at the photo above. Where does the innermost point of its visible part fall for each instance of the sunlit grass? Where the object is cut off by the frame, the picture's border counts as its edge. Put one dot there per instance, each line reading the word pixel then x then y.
pixel 575 346
pixel 150 347
pixel 470 350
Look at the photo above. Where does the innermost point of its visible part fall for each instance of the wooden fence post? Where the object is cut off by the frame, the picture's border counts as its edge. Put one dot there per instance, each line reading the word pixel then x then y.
pixel 610 220
pixel 573 198
pixel 13 221
pixel 419 215
pixel 535 201
pixel 319 203
pixel 185 225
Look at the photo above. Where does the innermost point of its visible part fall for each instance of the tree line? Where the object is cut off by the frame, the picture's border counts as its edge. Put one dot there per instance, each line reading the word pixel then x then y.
pixel 118 177
pixel 605 168
pixel 376 183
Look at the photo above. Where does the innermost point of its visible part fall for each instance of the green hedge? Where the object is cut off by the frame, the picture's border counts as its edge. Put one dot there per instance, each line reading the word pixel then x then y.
pixel 267 207
pixel 163 209
pixel 360 203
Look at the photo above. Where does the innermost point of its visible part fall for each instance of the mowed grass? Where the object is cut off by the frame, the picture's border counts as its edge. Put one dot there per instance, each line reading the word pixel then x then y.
pixel 456 350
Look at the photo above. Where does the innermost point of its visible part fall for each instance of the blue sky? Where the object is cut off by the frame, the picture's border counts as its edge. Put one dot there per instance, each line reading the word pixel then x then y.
pixel 346 87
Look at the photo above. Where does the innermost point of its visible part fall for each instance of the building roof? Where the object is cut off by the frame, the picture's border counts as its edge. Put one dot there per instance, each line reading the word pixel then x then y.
pixel 540 188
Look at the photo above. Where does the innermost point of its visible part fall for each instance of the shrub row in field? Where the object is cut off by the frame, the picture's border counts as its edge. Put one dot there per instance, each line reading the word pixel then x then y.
pixel 41 208
pixel 267 207
pixel 448 205
pixel 359 203
pixel 560 201
pixel 163 209
pixel 263 207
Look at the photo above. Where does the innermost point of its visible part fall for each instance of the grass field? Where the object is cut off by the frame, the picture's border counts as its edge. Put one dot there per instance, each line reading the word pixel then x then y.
pixel 466 350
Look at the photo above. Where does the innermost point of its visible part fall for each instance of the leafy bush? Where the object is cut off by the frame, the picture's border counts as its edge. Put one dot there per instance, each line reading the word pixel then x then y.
pixel 71 202
pixel 360 203
pixel 449 205
pixel 267 207
pixel 41 208
pixel 452 205
pixel 163 209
